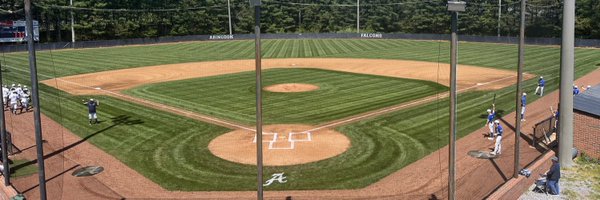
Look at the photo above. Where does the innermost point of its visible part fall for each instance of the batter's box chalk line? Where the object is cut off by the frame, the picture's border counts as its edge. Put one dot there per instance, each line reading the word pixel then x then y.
pixel 290 140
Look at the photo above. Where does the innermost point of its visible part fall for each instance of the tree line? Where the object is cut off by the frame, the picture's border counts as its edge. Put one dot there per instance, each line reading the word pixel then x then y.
pixel 109 19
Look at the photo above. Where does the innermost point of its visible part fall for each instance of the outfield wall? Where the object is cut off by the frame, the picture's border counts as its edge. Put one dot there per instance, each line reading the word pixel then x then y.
pixel 158 40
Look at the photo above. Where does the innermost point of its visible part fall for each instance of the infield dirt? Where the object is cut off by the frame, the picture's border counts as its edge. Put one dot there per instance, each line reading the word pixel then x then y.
pixel 283 144
pixel 118 80
pixel 291 87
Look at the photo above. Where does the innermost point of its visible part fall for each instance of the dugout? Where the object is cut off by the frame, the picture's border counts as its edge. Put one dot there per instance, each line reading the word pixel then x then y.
pixel 586 109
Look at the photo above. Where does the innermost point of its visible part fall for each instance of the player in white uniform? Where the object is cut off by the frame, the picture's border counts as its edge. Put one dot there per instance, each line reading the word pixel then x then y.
pixel 19 89
pixel 24 102
pixel 25 90
pixel 490 121
pixel 13 98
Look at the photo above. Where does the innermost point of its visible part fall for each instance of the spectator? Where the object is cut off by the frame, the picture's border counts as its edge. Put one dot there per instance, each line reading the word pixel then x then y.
pixel 552 177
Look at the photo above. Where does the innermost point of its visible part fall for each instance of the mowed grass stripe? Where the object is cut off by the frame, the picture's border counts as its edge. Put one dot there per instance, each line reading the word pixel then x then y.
pixel 388 142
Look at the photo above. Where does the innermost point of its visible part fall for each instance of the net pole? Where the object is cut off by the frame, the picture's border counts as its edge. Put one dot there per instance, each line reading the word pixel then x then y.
pixel 4 138
pixel 567 66
pixel 36 101
pixel 452 144
pixel 259 152
pixel 518 117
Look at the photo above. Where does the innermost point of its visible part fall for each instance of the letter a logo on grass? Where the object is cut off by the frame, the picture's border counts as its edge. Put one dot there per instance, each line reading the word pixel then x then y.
pixel 276 177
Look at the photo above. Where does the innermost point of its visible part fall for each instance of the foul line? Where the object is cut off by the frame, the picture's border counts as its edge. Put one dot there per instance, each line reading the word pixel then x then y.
pixel 159 105
pixel 404 105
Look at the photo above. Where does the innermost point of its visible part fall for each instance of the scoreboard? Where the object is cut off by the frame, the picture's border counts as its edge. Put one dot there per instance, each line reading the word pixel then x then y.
pixel 16 32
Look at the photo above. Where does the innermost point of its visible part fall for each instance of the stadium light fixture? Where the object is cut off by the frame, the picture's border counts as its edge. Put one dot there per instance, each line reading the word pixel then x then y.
pixel 457 6
pixel 255 2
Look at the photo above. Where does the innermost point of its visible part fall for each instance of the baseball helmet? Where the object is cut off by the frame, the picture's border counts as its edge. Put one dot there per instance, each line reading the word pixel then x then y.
pixel 13 85
pixel 19 85
pixel 541 77
pixel 576 86
pixel 497 121
pixel 524 94
pixel 489 110
pixel 91 99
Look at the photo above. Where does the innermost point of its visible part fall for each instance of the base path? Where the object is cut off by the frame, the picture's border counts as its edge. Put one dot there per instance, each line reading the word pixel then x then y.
pixel 117 80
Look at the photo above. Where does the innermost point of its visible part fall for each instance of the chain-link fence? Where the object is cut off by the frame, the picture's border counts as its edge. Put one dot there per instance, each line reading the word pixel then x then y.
pixel 144 41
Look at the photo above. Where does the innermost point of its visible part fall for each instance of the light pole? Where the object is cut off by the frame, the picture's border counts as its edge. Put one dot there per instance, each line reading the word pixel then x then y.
pixel 357 16
pixel 454 6
pixel 499 15
pixel 229 14
pixel 72 25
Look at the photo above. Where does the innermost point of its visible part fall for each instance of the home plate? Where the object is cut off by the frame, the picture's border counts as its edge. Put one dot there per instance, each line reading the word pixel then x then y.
pixel 98 88
pixel 481 154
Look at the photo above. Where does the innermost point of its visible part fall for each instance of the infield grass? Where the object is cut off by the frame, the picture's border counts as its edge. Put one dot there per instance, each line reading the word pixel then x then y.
pixel 171 150
pixel 340 95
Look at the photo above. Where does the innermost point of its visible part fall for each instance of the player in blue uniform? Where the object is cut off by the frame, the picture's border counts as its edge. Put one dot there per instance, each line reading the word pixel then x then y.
pixel 498 144
pixel 490 121
pixel 540 87
pixel 575 90
pixel 92 104
pixel 523 103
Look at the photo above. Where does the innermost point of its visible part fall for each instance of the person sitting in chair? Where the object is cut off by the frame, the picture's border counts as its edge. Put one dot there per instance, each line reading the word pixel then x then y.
pixel 552 177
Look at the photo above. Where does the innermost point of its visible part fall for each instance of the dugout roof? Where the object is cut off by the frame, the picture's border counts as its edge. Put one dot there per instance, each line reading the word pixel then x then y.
pixel 588 101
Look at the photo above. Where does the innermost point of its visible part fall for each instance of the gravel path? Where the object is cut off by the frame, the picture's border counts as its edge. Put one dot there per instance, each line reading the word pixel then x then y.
pixel 570 188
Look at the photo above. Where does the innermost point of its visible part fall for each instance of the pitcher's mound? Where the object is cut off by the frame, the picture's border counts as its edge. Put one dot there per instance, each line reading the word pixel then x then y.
pixel 292 87
pixel 283 144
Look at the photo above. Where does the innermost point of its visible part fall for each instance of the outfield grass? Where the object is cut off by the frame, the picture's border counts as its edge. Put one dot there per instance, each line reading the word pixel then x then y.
pixel 160 145
pixel 341 94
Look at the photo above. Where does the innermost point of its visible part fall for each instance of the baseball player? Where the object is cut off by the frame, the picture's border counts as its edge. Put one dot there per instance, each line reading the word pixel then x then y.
pixel 490 121
pixel 92 104
pixel 575 90
pixel 13 98
pixel 498 144
pixel 19 89
pixel 523 103
pixel 25 102
pixel 556 115
pixel 540 87
pixel 25 90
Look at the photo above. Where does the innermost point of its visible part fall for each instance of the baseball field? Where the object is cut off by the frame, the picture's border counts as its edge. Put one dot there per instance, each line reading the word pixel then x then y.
pixel 371 104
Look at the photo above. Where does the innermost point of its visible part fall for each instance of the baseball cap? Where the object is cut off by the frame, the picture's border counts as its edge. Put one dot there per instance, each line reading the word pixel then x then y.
pixel 497 121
